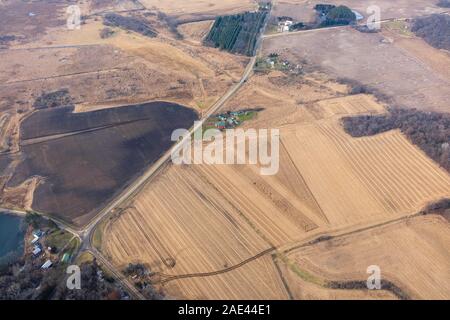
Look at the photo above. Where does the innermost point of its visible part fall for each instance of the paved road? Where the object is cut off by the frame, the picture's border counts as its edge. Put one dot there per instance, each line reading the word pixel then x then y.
pixel 128 286
pixel 86 233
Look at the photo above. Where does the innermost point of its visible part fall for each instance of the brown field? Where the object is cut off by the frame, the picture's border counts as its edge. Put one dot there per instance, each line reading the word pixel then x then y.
pixel 303 10
pixel 100 6
pixel 412 253
pixel 84 159
pixel 17 21
pixel 124 69
pixel 327 181
pixel 175 71
pixel 337 204
pixel 373 60
pixel 172 237
pixel 195 9
pixel 257 280
pixel 195 31
pixel 304 289
pixel 435 59
pixel 371 177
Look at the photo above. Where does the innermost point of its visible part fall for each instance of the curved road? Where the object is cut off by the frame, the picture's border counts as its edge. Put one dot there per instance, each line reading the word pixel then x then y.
pixel 86 233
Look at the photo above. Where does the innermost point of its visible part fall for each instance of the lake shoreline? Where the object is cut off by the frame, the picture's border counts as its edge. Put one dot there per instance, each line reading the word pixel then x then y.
pixel 12 237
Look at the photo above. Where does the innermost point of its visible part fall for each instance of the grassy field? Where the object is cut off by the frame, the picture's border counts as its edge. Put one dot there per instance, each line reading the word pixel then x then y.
pixel 58 239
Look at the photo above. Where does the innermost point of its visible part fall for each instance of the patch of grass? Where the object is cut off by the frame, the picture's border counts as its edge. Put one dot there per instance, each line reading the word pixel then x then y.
pixel 247 116
pixel 85 257
pixel 271 29
pixel 73 246
pixel 303 274
pixel 271 62
pixel 399 27
pixel 97 237
pixel 58 239
pixel 306 275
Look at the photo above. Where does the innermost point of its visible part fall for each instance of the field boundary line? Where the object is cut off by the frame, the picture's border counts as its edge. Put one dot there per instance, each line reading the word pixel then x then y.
pixel 214 273
pixel 60 76
pixel 304 182
pixel 283 280
pixel 326 237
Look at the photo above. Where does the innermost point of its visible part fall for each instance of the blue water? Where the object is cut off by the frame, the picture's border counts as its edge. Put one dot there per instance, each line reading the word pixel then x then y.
pixel 11 236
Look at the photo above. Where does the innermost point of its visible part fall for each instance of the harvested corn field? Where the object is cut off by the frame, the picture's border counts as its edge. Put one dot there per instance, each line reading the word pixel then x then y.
pixel 197 230
pixel 165 228
pixel 412 253
pixel 362 179
pixel 257 279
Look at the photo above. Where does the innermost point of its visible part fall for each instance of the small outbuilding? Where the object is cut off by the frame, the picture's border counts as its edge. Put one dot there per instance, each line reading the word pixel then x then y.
pixel 47 264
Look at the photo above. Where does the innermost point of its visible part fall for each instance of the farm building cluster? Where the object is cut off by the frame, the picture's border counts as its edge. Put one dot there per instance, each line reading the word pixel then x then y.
pixel 230 119
pixel 287 24
pixel 274 62
pixel 41 248
pixel 38 249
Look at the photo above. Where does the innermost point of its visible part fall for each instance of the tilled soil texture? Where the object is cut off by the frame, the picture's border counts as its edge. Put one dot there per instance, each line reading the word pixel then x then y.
pixel 85 158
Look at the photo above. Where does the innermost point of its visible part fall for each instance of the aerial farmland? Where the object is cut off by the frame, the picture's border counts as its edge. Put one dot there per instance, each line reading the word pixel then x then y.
pixel 359 124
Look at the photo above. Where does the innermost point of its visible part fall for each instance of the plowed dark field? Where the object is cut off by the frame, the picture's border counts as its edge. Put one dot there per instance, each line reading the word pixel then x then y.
pixel 86 158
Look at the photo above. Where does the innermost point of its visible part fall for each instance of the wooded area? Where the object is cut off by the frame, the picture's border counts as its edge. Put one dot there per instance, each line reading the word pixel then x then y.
pixel 434 29
pixel 428 130
pixel 129 23
pixel 237 33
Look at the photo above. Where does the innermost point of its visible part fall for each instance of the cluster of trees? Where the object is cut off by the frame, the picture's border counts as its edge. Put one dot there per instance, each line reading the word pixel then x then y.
pixel 444 3
pixel 428 130
pixel 54 99
pixel 237 33
pixel 24 280
pixel 434 29
pixel 442 206
pixel 38 222
pixel 106 33
pixel 129 23
pixel 284 18
pixel 324 9
pixel 7 38
pixel 298 26
pixel 172 23
pixel 362 285
pixel 340 15
pixel 142 281
pixel 94 286
pixel 136 269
